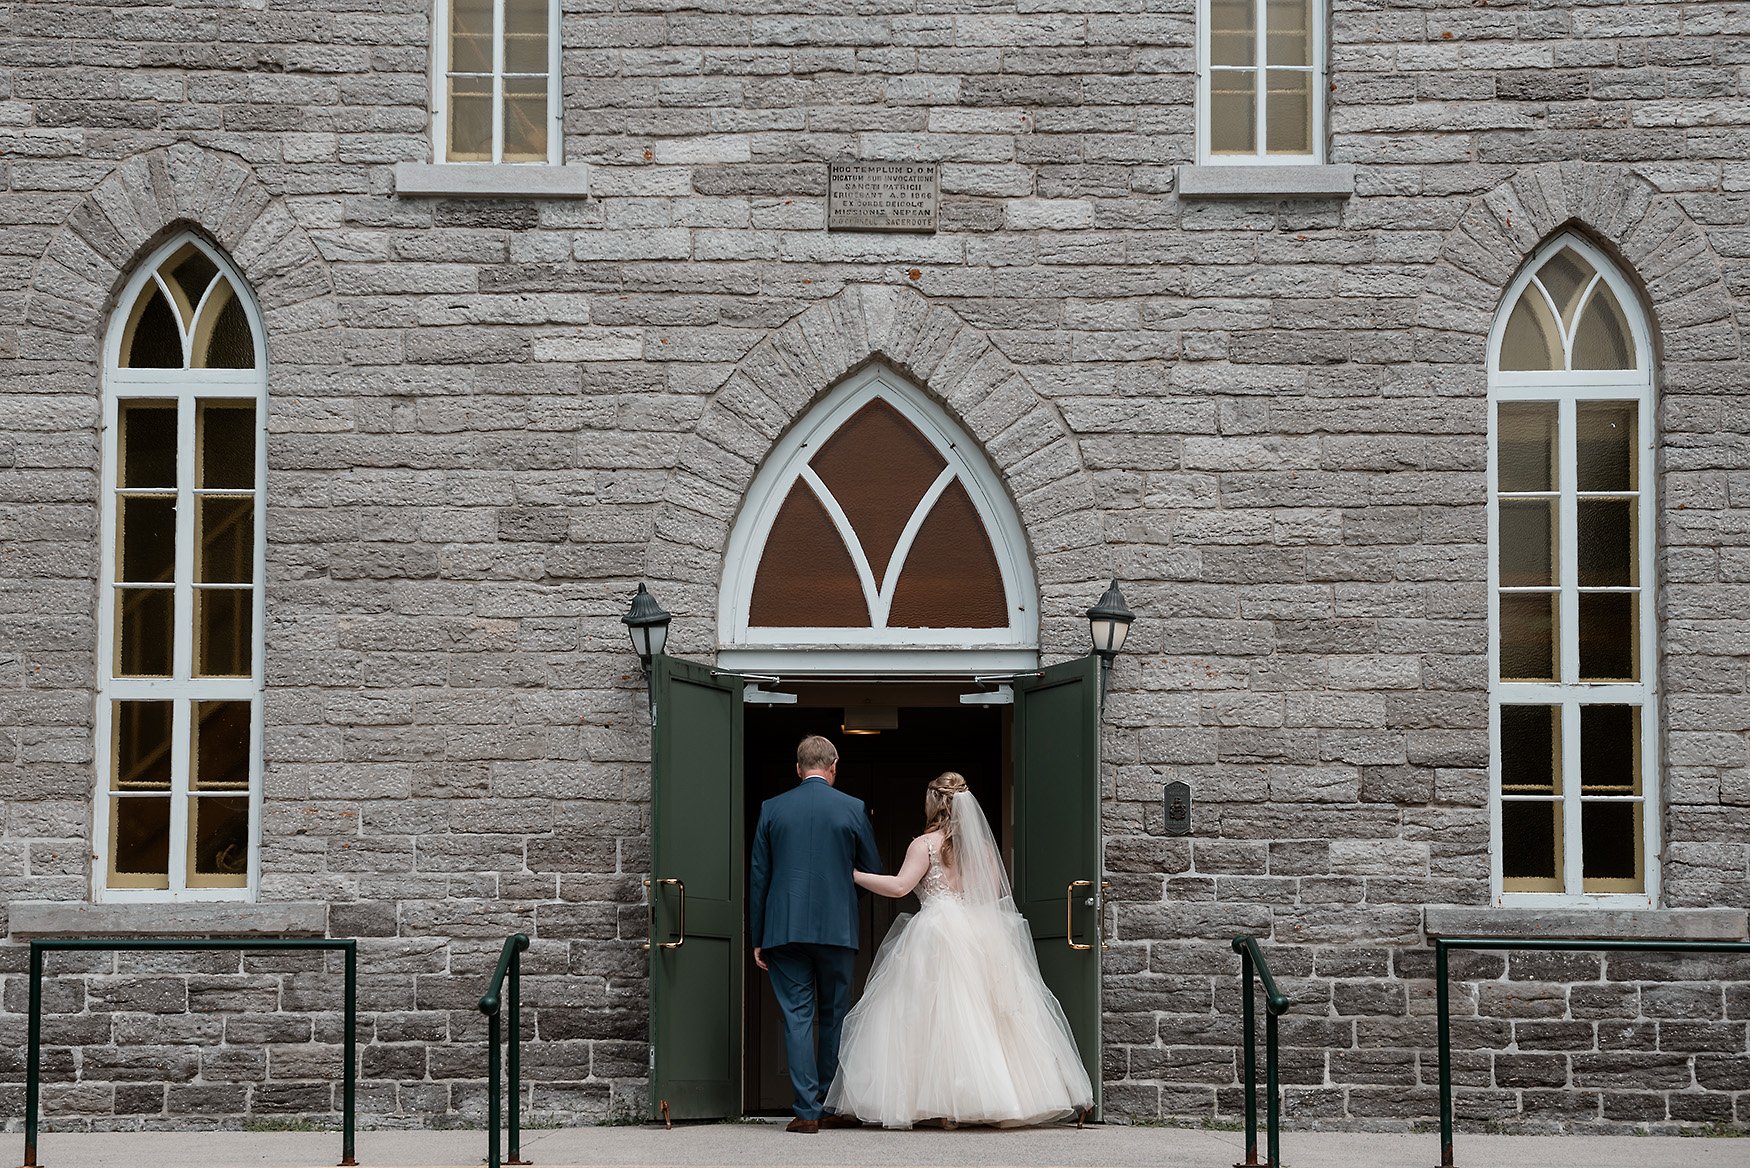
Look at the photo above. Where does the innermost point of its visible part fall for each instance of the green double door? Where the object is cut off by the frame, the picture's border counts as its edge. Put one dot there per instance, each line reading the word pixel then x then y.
pixel 697 916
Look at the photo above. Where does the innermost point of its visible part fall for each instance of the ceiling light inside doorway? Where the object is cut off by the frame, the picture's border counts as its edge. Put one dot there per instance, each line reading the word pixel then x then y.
pixel 869 719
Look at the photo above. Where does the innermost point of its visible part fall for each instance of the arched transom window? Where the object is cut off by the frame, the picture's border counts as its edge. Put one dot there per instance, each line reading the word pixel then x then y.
pixel 180 637
pixel 875 525
pixel 1572 642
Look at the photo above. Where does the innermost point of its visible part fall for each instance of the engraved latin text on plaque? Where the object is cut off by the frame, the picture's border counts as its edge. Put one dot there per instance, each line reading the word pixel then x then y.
pixel 881 196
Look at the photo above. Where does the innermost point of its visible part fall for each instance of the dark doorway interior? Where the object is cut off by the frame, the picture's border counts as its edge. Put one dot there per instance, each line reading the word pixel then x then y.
pixel 888 771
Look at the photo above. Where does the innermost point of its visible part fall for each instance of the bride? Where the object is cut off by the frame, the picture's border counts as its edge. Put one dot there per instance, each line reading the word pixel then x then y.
pixel 955 1022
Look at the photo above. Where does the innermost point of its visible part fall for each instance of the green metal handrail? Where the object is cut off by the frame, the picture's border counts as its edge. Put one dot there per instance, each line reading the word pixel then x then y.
pixel 33 1041
pixel 1275 1003
pixel 510 963
pixel 1443 1017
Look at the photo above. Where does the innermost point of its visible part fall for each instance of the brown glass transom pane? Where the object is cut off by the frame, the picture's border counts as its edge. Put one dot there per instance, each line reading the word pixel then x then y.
pixel 951 579
pixel 806 577
pixel 877 466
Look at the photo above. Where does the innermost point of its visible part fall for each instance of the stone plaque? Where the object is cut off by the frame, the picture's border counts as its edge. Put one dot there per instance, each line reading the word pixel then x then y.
pixel 1178 808
pixel 882 196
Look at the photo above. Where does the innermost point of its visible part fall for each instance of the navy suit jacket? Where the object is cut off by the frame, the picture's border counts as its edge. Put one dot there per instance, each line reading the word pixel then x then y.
pixel 807 842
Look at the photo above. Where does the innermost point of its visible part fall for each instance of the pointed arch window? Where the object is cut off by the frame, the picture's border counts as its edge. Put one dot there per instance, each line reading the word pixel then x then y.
pixel 876 525
pixel 180 631
pixel 1572 639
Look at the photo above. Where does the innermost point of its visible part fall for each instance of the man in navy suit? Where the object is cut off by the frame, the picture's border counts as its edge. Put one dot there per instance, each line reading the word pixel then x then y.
pixel 803 908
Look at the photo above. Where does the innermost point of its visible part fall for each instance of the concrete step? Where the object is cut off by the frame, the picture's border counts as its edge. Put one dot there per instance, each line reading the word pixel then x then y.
pixel 766 1145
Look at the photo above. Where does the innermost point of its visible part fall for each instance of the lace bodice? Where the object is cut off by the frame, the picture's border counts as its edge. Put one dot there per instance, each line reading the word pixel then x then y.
pixel 936 882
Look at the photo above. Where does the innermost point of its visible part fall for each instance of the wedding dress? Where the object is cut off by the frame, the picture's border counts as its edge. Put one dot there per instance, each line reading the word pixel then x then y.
pixel 955 1022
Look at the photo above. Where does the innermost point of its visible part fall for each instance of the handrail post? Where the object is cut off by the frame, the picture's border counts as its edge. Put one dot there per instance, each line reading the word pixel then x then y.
pixel 492 1160
pixel 514 1058
pixel 349 1052
pixel 33 1056
pixel 1248 1030
pixel 1443 1025
pixel 1273 1104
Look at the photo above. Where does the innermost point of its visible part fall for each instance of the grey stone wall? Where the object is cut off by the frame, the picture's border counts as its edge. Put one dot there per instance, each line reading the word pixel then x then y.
pixel 490 419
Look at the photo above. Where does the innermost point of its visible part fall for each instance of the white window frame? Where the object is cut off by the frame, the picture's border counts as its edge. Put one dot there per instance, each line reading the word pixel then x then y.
pixel 1260 157
pixel 440 90
pixel 1566 390
pixel 877 648
pixel 186 387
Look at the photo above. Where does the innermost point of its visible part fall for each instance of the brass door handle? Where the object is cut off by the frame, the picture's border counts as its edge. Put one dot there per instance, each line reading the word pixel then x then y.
pixel 1069 914
pixel 681 921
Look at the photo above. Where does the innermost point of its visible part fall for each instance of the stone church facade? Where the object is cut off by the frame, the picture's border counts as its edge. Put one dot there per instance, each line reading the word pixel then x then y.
pixel 350 393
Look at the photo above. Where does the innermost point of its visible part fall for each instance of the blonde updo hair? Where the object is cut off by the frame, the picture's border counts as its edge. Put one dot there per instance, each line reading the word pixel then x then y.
pixel 939 810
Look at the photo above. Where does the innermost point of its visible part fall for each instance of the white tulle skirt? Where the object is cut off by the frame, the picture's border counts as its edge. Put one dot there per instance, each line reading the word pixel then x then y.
pixel 955 1023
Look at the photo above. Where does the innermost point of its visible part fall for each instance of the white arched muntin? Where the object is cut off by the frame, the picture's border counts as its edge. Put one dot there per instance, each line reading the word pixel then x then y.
pixel 882 645
pixel 181 613
pixel 1574 761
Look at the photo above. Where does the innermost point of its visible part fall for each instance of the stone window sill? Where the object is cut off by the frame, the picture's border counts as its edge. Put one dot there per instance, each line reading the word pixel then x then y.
pixel 485 180
pixel 1579 924
pixel 1334 181
pixel 223 918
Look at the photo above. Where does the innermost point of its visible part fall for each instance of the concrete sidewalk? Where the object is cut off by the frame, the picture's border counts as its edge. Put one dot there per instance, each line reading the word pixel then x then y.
pixel 759 1145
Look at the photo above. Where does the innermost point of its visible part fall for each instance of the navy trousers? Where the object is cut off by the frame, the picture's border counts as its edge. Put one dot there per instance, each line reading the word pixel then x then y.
pixel 812 981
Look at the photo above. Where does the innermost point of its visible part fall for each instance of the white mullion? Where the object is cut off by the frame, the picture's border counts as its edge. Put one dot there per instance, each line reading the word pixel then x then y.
pixel 258 653
pixel 848 536
pixel 183 632
pixel 497 80
pixel 555 89
pixel 1572 880
pixel 1261 77
pixel 1652 804
pixel 441 51
pixel 1567 577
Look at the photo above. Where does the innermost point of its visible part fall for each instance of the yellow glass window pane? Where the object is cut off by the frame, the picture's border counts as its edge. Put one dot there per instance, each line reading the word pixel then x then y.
pixel 470 36
pixel 1528 636
pixel 147 444
pixel 140 746
pixel 1288 32
pixel 1531 844
pixel 1610 846
pixel 1607 446
pixel 225 446
pixel 139 842
pixel 1233 32
pixel 1610 750
pixel 1525 446
pixel 224 632
pixel 1528 543
pixel 1531 750
pixel 219 760
pixel 145 539
pixel 1565 276
pixel 1532 341
pixel 525 119
pixel 218 842
pixel 1288 114
pixel 153 339
pixel 221 338
pixel 144 642
pixel 1605 531
pixel 1233 112
pixel 1603 340
pixel 225 551
pixel 470 119
pixel 1609 636
pixel 525 36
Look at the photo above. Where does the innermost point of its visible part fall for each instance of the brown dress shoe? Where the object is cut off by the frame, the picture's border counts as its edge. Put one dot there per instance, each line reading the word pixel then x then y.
pixel 805 1126
pixel 831 1120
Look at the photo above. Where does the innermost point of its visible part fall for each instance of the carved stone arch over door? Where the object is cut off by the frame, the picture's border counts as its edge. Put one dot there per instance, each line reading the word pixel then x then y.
pixel 954 382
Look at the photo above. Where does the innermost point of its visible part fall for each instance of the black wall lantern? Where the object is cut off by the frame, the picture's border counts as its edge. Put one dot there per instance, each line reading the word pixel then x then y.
pixel 648 626
pixel 1108 624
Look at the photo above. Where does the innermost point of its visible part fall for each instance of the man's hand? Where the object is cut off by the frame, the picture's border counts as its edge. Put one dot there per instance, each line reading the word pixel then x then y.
pixel 758 960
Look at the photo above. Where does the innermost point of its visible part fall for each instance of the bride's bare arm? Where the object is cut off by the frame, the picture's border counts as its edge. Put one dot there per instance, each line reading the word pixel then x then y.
pixel 917 862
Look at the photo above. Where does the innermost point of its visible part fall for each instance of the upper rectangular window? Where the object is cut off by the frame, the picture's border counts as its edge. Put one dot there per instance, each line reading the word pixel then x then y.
pixel 1573 706
pixel 495 91
pixel 1261 68
pixel 178 759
